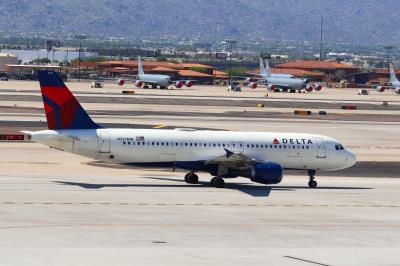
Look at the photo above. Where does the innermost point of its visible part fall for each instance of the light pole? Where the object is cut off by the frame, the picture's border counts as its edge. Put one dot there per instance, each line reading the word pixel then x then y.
pixel 80 37
pixel 320 39
pixel 231 43
pixel 388 48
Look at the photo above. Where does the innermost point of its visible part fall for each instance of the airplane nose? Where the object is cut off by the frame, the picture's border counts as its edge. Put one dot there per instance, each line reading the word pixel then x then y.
pixel 351 159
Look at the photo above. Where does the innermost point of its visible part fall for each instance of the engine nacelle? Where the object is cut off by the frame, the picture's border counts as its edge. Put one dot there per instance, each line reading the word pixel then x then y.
pixel 189 83
pixel 178 84
pixel 397 90
pixel 318 87
pixel 139 84
pixel 120 82
pixel 380 89
pixel 309 88
pixel 264 173
pixel 253 85
pixel 272 87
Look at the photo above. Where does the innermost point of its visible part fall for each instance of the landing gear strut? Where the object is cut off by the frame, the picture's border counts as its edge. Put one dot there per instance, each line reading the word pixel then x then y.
pixel 217 182
pixel 312 183
pixel 191 178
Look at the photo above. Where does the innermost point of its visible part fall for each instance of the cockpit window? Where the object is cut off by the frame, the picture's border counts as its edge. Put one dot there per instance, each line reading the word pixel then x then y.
pixel 339 147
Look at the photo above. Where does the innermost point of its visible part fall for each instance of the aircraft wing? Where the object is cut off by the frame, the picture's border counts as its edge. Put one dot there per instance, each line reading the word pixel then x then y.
pixel 234 160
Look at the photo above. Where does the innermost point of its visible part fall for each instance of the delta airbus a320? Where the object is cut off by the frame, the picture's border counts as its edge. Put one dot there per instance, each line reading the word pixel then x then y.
pixel 259 156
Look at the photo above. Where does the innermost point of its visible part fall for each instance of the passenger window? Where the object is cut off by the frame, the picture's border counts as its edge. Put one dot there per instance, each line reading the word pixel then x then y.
pixel 256 145
pixel 284 146
pixel 223 145
pixel 123 142
pixel 248 145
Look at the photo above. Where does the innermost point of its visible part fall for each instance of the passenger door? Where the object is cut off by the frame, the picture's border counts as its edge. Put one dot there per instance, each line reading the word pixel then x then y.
pixel 104 142
pixel 321 149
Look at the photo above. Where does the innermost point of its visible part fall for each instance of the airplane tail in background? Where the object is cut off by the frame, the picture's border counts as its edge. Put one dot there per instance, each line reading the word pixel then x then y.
pixel 393 77
pixel 267 69
pixel 139 66
pixel 264 72
pixel 62 109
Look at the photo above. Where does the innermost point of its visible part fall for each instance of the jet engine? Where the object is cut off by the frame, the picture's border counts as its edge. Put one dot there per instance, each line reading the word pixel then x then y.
pixel 309 88
pixel 397 90
pixel 264 173
pixel 120 82
pixel 253 85
pixel 272 87
pixel 189 83
pixel 380 89
pixel 178 84
pixel 139 84
pixel 318 87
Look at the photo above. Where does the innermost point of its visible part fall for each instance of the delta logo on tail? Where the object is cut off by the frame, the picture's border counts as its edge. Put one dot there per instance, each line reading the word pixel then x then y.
pixel 63 111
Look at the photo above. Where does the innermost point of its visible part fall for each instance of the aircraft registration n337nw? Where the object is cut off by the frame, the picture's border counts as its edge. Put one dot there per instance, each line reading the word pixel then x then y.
pixel 259 156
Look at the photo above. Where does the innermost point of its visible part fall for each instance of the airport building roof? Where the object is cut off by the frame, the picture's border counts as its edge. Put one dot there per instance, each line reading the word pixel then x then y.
pixel 322 65
pixel 194 74
pixel 291 71
pixel 164 70
pixel 34 67
pixel 219 74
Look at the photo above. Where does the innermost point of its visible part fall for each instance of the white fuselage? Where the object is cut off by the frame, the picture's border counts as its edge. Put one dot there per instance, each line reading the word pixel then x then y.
pixel 160 80
pixel 154 146
pixel 285 82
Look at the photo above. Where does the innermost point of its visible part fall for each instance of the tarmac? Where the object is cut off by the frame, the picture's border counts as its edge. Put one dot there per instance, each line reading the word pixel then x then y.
pixel 58 208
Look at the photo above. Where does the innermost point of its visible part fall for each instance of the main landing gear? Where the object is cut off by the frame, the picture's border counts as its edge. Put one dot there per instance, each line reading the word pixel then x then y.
pixel 312 183
pixel 217 182
pixel 191 178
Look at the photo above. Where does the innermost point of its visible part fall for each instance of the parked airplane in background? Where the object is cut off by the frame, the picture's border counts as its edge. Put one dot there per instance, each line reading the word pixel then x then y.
pixel 283 82
pixel 394 83
pixel 259 156
pixel 162 81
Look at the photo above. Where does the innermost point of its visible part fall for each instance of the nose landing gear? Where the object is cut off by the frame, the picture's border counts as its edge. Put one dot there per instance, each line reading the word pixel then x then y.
pixel 312 183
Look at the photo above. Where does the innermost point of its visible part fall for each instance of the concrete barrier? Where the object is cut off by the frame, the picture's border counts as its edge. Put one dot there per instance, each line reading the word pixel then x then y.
pixel 349 107
pixel 128 92
pixel 12 137
pixel 302 112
